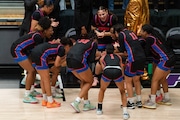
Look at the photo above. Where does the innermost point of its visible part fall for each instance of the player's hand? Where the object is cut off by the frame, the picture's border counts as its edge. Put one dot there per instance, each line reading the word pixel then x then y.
pixel 95 82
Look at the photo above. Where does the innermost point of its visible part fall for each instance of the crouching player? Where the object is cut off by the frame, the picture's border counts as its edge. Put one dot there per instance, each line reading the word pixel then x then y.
pixel 40 56
pixel 110 65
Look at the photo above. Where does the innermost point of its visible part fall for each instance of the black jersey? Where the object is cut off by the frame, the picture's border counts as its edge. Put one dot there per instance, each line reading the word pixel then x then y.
pixel 37 14
pixel 111 60
pixel 84 49
pixel 104 26
pixel 157 49
pixel 129 42
pixel 26 43
pixel 48 49
pixel 112 68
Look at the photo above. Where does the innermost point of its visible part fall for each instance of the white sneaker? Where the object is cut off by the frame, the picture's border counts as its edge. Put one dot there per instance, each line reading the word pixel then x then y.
pixel 99 112
pixel 58 91
pixel 30 99
pixel 149 104
pixel 166 102
pixel 56 95
pixel 126 116
pixel 88 107
pixel 75 106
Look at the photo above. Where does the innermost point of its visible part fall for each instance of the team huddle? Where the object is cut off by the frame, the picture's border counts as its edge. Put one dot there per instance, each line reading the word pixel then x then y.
pixel 118 53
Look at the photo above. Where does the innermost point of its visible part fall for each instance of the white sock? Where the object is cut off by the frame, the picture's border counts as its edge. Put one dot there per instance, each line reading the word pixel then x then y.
pixel 166 96
pixel 45 97
pixel 86 102
pixel 153 98
pixel 124 109
pixel 50 99
pixel 32 88
pixel 78 99
pixel 52 89
pixel 138 97
pixel 27 92
pixel 131 100
pixel 158 93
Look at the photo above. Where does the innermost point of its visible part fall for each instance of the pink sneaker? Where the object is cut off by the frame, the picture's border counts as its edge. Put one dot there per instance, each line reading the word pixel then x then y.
pixel 159 98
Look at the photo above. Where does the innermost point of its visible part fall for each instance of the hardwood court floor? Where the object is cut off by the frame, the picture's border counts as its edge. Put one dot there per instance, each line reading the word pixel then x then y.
pixel 12 107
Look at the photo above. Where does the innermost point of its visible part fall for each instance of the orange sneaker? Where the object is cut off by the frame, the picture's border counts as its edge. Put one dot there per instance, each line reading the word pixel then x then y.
pixel 44 103
pixel 57 102
pixel 53 104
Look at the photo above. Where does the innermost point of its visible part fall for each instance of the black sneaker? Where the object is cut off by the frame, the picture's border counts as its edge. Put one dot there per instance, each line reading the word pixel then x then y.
pixel 139 104
pixel 130 105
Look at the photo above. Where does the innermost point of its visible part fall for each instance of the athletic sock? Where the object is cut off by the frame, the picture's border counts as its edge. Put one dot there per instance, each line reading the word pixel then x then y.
pixel 78 99
pixel 52 89
pixel 153 98
pixel 50 99
pixel 45 97
pixel 32 88
pixel 166 96
pixel 158 93
pixel 131 100
pixel 138 97
pixel 124 109
pixel 100 106
pixel 27 92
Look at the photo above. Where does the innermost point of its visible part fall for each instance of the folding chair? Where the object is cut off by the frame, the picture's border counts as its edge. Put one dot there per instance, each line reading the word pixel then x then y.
pixel 160 32
pixel 23 80
pixel 61 87
pixel 70 32
pixel 173 31
pixel 173 39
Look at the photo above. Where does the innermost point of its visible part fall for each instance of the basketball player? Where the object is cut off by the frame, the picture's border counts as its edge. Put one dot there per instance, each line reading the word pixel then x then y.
pixel 83 52
pixel 21 49
pixel 40 56
pixel 134 67
pixel 110 65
